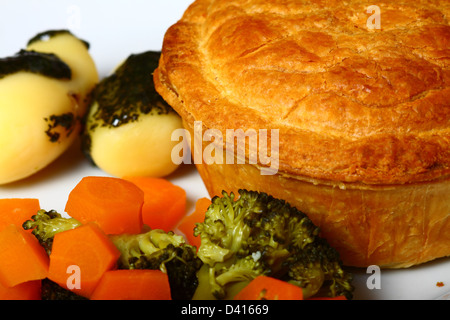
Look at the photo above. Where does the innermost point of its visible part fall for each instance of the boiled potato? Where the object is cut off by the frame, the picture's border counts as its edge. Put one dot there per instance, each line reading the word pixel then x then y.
pixel 129 126
pixel 40 112
pixel 75 53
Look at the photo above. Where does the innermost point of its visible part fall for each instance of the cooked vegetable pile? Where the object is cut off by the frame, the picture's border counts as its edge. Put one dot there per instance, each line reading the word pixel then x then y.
pixel 248 247
pixel 165 251
pixel 257 235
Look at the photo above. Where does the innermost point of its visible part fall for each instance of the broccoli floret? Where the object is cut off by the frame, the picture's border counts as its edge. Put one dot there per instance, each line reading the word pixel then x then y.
pixel 317 269
pixel 257 234
pixel 46 224
pixel 52 291
pixel 165 251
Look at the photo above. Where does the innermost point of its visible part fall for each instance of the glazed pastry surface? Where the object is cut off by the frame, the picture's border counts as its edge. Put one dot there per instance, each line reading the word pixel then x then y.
pixel 352 103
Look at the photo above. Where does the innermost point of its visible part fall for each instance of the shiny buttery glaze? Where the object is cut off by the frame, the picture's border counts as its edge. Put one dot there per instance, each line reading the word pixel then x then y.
pixel 352 104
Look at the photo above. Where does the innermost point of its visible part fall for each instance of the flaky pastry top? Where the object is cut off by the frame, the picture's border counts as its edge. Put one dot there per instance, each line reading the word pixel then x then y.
pixel 352 103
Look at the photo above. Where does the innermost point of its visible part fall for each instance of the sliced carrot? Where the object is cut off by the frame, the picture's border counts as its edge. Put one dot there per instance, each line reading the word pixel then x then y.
pixel 268 288
pixel 187 225
pixel 22 258
pixel 30 290
pixel 133 285
pixel 114 204
pixel 17 211
pixel 80 257
pixel 164 202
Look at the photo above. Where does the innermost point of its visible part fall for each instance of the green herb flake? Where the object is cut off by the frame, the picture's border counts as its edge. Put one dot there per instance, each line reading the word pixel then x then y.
pixel 46 64
pixel 66 121
pixel 129 92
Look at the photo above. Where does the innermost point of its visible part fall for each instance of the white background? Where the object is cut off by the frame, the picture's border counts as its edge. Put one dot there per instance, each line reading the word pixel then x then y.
pixel 116 29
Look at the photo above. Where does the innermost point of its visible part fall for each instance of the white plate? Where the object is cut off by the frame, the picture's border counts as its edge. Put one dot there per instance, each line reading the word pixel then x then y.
pixel 116 29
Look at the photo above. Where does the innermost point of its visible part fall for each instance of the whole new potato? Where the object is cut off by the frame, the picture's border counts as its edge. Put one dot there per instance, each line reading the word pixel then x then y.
pixel 43 92
pixel 129 126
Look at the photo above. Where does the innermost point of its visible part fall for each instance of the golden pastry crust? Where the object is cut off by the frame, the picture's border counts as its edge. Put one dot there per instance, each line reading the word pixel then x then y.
pixel 352 104
pixel 363 115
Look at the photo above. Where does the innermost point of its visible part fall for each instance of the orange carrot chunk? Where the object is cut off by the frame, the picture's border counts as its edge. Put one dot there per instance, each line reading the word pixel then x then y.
pixel 187 225
pixel 164 202
pixel 114 204
pixel 80 257
pixel 17 211
pixel 22 258
pixel 268 288
pixel 30 290
pixel 133 285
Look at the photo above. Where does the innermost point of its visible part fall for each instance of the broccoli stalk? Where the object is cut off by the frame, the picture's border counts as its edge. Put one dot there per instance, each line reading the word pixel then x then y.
pixel 257 234
pixel 165 251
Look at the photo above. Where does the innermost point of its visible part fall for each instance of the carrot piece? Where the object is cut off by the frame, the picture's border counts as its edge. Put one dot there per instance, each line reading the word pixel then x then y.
pixel 17 211
pixel 133 285
pixel 80 257
pixel 187 225
pixel 164 202
pixel 30 290
pixel 268 288
pixel 22 258
pixel 114 204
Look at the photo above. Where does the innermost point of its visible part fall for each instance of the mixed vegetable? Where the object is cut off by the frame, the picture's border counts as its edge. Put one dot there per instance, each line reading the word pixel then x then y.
pixel 255 235
pixel 129 238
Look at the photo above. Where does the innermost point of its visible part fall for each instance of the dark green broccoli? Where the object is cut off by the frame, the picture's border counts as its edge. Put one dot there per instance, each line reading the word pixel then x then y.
pixel 165 251
pixel 52 291
pixel 257 234
pixel 45 224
